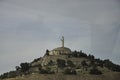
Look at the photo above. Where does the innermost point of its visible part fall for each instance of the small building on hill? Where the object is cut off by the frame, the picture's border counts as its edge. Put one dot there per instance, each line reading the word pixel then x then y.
pixel 60 50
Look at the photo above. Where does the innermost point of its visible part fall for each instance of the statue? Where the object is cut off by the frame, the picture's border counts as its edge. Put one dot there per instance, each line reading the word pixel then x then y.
pixel 62 41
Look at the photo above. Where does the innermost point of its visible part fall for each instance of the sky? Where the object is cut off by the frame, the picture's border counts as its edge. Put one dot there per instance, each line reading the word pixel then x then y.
pixel 29 27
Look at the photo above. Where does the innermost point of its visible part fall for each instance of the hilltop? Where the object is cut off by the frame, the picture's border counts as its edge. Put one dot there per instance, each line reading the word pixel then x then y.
pixel 63 64
pixel 77 65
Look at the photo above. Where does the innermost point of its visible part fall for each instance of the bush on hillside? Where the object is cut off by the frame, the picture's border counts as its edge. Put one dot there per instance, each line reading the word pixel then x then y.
pixel 110 65
pixel 35 60
pixel 70 63
pixel 70 71
pixel 25 67
pixel 3 76
pixel 50 63
pixel 43 71
pixel 61 63
pixel 46 71
pixel 47 52
pixel 84 65
pixel 79 54
pixel 10 74
pixel 95 71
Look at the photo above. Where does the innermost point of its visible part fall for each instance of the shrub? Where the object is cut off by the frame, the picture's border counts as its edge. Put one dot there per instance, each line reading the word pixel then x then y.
pixel 35 60
pixel 70 63
pixel 70 71
pixel 110 65
pixel 46 71
pixel 10 74
pixel 43 71
pixel 79 54
pixel 50 63
pixel 47 52
pixel 61 63
pixel 95 71
pixel 3 76
pixel 84 65
pixel 25 67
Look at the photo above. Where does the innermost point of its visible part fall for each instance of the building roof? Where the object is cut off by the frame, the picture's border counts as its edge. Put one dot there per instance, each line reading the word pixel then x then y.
pixel 62 49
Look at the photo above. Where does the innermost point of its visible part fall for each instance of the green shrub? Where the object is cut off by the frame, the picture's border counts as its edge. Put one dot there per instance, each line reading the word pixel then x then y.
pixel 25 67
pixel 95 71
pixel 43 71
pixel 50 63
pixel 10 74
pixel 46 71
pixel 70 63
pixel 70 71
pixel 61 63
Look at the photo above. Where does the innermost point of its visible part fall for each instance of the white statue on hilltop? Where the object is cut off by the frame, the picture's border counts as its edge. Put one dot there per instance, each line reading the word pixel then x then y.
pixel 62 41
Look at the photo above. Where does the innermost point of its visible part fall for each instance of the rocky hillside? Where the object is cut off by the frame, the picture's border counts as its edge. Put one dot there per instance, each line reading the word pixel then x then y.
pixel 77 65
pixel 106 76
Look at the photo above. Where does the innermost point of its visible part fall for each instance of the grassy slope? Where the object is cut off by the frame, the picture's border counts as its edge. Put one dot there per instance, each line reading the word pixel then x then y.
pixel 106 76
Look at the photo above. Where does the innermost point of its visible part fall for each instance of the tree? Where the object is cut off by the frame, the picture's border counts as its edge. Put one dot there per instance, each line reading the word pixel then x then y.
pixel 99 62
pixel 70 71
pixel 17 68
pixel 24 67
pixel 111 66
pixel 91 57
pixel 46 71
pixel 40 66
pixel 61 63
pixel 70 63
pixel 47 52
pixel 116 68
pixel 95 71
pixel 74 54
pixel 3 76
pixel 35 60
pixel 50 63
pixel 84 64
pixel 79 54
pixel 10 74
pixel 43 71
pixel 82 54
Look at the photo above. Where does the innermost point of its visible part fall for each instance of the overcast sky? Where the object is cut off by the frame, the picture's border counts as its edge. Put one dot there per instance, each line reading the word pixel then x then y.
pixel 29 27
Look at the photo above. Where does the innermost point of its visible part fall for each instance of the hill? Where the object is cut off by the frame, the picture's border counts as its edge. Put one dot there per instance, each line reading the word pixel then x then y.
pixel 107 76
pixel 77 65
